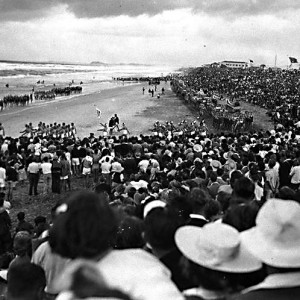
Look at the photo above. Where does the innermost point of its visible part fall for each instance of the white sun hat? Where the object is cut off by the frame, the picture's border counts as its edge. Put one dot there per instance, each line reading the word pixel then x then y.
pixel 151 205
pixel 275 239
pixel 216 246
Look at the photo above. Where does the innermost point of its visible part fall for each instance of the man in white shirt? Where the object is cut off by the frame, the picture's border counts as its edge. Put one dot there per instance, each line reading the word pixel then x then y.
pixel 105 170
pixel 46 170
pixel 87 163
pixel 33 175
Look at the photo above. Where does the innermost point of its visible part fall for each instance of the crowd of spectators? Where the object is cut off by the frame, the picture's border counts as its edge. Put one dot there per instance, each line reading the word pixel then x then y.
pixel 278 91
pixel 185 216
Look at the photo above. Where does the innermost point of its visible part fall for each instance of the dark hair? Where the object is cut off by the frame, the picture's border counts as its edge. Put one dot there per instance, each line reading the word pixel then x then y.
pixel 21 215
pixel 211 209
pixel 286 193
pixel 25 281
pixel 103 187
pixel 241 217
pixel 234 176
pixel 160 227
pixel 129 233
pixel 39 219
pixel 243 189
pixel 198 198
pixel 213 176
pixel 86 229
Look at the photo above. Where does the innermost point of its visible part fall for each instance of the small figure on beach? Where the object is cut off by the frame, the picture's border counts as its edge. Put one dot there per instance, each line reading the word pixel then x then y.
pixel 113 123
pixel 104 129
pixel 163 91
pixel 124 130
pixel 7 85
pixel 143 90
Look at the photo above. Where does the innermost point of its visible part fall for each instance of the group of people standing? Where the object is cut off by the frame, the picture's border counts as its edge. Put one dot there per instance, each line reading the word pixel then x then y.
pixel 113 126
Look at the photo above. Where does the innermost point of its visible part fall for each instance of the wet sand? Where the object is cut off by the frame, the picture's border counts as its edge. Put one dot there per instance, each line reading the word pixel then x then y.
pixel 138 111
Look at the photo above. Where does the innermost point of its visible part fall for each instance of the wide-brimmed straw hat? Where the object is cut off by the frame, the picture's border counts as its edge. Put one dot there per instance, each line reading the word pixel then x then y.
pixel 197 148
pixel 216 246
pixel 275 239
pixel 151 205
pixel 215 164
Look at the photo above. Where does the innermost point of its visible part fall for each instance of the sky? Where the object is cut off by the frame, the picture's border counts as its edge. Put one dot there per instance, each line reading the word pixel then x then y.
pixel 164 32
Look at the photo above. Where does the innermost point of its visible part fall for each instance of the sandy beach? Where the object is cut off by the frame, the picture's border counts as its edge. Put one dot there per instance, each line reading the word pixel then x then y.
pixel 138 111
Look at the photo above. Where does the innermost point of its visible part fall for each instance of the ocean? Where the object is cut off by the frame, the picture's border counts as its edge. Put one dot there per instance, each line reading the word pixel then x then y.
pixel 17 78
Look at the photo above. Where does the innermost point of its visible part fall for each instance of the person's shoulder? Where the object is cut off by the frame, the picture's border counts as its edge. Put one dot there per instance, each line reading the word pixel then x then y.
pixel 137 257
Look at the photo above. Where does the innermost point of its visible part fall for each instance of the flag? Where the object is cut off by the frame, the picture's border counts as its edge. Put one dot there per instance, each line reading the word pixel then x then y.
pixel 293 60
pixel 98 111
pixel 251 61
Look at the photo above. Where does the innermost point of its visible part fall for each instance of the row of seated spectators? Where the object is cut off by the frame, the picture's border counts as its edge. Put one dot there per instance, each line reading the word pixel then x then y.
pixel 278 91
pixel 188 217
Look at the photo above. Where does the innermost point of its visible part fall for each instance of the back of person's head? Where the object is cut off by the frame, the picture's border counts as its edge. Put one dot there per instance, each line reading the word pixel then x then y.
pixel 160 227
pixel 22 243
pixel 241 217
pixel 286 193
pixel 39 220
pixel 21 215
pixel 213 176
pixel 86 228
pixel 103 188
pixel 234 176
pixel 198 198
pixel 180 205
pixel 130 233
pixel 26 281
pixel 271 163
pixel 224 200
pixel 243 190
pixel 212 209
pixel 131 192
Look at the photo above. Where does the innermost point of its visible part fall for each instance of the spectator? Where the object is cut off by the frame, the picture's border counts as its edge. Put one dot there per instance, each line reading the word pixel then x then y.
pixel 94 225
pixel 33 175
pixel 275 241
pixel 198 200
pixel 5 226
pixel 22 224
pixel 47 176
pixel 26 281
pixel 215 272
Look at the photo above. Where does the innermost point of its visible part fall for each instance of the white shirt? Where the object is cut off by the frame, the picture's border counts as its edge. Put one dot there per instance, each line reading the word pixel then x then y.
pixel 2 173
pixel 136 273
pixel 143 164
pixel 277 280
pixel 53 265
pixel 46 167
pixel 295 173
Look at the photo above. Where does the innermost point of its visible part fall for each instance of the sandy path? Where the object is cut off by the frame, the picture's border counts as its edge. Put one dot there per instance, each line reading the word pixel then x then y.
pixel 138 111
